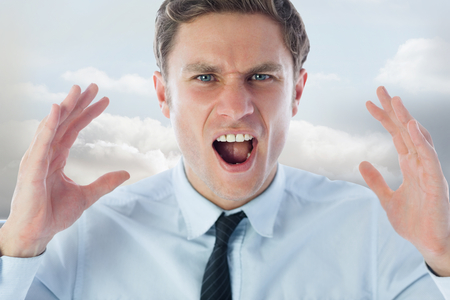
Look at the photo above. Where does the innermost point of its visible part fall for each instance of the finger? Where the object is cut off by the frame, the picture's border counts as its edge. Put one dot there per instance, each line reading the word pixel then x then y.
pixel 58 161
pixel 403 117
pixel 82 102
pixel 402 114
pixel 426 152
pixel 387 103
pixel 375 182
pixel 38 130
pixel 381 116
pixel 82 121
pixel 69 102
pixel 38 154
pixel 426 134
pixel 385 100
pixel 104 185
pixel 66 142
pixel 389 125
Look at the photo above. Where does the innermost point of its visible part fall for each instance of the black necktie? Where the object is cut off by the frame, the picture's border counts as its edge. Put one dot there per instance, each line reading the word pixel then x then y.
pixel 216 280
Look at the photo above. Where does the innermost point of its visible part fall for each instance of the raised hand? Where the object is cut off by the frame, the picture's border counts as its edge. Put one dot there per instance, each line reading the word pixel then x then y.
pixel 419 209
pixel 45 200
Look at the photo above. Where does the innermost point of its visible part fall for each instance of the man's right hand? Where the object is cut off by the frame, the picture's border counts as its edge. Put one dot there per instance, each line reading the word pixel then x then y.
pixel 45 200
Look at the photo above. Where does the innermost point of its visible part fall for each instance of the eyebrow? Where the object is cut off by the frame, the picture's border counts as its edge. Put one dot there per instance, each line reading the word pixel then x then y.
pixel 207 68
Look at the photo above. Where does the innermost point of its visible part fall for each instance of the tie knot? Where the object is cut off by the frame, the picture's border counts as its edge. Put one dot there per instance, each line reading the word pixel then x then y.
pixel 225 226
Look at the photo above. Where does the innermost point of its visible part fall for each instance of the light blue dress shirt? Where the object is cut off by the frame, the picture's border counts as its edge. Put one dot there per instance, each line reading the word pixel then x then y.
pixel 305 237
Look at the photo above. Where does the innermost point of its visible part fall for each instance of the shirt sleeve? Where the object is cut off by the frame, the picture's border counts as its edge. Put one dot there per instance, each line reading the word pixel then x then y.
pixel 17 275
pixel 443 283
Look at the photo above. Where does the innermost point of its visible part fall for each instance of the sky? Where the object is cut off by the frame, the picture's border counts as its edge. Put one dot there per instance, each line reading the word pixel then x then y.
pixel 356 45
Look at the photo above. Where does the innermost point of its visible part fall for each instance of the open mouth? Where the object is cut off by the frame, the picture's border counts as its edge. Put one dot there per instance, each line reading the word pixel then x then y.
pixel 234 149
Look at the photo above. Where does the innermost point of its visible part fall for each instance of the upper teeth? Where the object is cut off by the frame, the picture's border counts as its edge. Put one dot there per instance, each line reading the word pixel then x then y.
pixel 234 138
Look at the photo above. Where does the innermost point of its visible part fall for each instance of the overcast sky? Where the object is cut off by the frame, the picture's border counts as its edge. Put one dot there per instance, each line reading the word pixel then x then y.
pixel 356 45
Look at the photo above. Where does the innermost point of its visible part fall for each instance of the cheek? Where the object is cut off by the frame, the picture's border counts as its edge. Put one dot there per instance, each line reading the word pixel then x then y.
pixel 277 110
pixel 277 115
pixel 188 115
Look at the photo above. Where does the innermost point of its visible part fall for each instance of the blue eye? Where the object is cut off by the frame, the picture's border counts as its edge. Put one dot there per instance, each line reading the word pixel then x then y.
pixel 205 78
pixel 260 77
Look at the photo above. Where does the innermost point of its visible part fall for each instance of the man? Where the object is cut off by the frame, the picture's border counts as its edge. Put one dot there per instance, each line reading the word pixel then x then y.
pixel 228 221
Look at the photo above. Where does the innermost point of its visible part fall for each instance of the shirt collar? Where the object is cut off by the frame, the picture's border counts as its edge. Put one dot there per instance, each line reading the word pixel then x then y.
pixel 200 214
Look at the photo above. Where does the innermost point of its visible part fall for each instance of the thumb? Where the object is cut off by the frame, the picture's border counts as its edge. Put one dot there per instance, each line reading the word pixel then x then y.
pixel 104 185
pixel 375 182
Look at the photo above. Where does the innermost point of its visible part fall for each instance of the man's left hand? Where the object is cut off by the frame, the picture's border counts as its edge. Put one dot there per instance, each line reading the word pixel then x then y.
pixel 419 209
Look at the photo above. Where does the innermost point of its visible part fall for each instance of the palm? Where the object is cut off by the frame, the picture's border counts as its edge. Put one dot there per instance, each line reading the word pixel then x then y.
pixel 45 200
pixel 419 209
pixel 66 199
pixel 417 205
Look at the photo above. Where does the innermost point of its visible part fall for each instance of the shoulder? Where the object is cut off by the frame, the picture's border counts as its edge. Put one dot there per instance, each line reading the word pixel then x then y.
pixel 312 187
pixel 153 189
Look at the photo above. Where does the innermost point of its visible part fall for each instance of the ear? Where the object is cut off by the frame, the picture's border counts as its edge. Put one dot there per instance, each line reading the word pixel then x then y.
pixel 299 86
pixel 160 88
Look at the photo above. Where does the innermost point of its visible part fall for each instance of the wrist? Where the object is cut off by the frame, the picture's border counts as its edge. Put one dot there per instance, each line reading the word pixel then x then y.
pixel 13 245
pixel 440 265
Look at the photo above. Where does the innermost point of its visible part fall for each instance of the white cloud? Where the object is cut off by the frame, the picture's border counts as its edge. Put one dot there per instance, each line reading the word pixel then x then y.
pixel 141 147
pixel 420 65
pixel 337 154
pixel 129 83
pixel 145 147
pixel 36 92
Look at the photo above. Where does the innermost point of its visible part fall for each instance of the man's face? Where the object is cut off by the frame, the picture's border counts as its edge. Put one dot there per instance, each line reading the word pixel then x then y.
pixel 229 75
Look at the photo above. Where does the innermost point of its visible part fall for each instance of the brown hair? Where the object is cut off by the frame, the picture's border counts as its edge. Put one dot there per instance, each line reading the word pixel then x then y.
pixel 174 12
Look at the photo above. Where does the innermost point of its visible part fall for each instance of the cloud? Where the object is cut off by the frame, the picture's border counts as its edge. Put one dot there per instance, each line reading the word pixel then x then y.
pixel 36 92
pixel 144 147
pixel 129 83
pixel 109 143
pixel 420 65
pixel 337 154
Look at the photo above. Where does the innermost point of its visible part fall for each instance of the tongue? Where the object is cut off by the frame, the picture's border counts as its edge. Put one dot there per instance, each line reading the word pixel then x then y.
pixel 233 153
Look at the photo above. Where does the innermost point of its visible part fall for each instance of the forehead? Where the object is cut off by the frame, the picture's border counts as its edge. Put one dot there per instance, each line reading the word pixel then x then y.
pixel 232 41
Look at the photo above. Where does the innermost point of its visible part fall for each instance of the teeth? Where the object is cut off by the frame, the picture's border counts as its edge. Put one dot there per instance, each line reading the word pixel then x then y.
pixel 234 138
pixel 248 155
pixel 231 138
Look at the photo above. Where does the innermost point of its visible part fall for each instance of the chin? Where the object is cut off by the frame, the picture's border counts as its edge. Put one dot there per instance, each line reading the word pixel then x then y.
pixel 237 188
pixel 235 195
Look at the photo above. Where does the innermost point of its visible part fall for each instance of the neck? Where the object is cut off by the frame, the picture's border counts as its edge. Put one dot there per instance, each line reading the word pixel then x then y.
pixel 227 203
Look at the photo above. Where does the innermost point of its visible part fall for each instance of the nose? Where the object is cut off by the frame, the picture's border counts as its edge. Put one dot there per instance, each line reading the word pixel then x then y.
pixel 235 102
